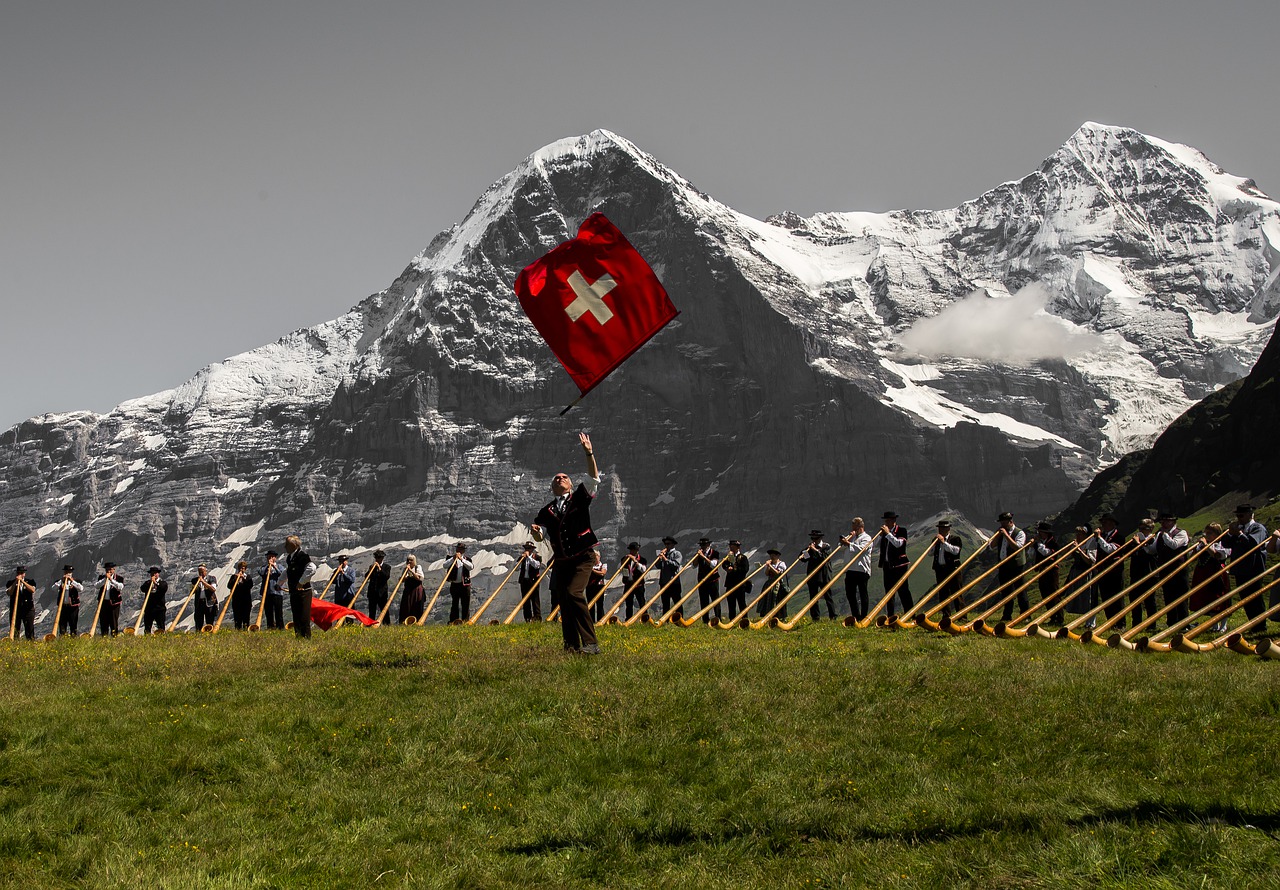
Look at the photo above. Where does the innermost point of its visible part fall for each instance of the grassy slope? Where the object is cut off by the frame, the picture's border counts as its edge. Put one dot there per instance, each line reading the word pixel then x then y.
pixel 484 757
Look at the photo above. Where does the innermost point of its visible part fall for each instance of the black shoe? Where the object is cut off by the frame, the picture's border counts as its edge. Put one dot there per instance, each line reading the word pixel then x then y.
pixel 590 649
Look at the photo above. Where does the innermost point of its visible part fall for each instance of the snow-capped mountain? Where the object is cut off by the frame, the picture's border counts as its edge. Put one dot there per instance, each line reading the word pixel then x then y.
pixel 1123 280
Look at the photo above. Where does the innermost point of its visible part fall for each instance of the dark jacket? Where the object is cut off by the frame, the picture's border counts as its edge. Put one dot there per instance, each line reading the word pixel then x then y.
pixel 569 531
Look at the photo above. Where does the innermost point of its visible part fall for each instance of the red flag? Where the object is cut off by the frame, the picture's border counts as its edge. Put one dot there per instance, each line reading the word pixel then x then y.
pixel 325 614
pixel 594 300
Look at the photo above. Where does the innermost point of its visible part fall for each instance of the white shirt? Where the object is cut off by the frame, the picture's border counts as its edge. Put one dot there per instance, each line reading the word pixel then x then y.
pixel 863 563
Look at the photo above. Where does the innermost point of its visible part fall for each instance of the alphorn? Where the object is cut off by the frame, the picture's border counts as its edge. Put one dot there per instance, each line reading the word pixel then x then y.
pixel 609 616
pixel 1236 641
pixel 227 605
pixel 1185 644
pixel 905 621
pixel 595 599
pixel 328 584
pixel 360 589
pixel 1157 643
pixel 741 620
pixel 925 618
pixel 520 605
pixel 176 618
pixel 1064 594
pixel 1129 639
pixel 476 617
pixel 1036 572
pixel 697 616
pixel 994 592
pixel 103 594
pixel 889 594
pixel 866 548
pixel 132 631
pixel 643 614
pixel 262 606
pixel 13 609
pixel 382 616
pixel 57 618
pixel 426 613
pixel 1177 564
pixel 665 617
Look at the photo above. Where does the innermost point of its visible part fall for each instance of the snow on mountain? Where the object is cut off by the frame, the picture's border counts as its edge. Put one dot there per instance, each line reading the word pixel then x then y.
pixel 781 398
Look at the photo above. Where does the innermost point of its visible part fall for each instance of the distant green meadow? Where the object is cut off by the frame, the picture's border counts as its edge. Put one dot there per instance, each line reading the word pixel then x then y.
pixel 486 757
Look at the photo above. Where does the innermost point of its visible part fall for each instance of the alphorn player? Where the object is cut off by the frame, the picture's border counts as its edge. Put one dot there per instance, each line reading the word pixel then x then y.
pixel 69 589
pixel 22 604
pixel 893 560
pixel 1009 539
pixel 153 608
pixel 946 559
pixel 298 569
pixel 815 555
pixel 858 576
pixel 668 562
pixel 1045 547
pixel 460 584
pixel 1167 545
pixel 1083 561
pixel 566 522
pixel 379 576
pixel 344 583
pixel 775 570
pixel 1107 541
pixel 206 586
pixel 736 567
pixel 530 582
pixel 1141 564
pixel 633 579
pixel 595 585
pixel 271 592
pixel 413 600
pixel 240 589
pixel 708 570
pixel 1242 535
pixel 111 586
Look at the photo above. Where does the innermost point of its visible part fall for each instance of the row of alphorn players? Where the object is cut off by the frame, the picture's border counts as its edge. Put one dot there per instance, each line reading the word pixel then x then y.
pixel 1203 565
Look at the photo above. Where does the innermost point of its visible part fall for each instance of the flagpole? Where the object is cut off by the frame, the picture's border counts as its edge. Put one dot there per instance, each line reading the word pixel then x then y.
pixel 571 404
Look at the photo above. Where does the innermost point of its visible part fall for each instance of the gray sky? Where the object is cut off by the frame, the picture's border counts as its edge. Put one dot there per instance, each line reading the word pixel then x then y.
pixel 182 181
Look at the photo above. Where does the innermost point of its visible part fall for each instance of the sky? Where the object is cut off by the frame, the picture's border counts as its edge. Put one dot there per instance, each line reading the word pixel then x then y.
pixel 184 181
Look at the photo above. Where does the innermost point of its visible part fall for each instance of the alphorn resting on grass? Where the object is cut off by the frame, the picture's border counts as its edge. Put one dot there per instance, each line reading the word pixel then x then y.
pixel 1219 611
pixel 906 620
pixel 1032 575
pixel 804 610
pixel 926 618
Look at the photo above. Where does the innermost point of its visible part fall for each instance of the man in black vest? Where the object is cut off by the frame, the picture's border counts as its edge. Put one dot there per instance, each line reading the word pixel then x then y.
pixel 460 585
pixel 22 605
pixel 817 567
pixel 1046 548
pixel 893 560
pixel 379 576
pixel 708 571
pixel 736 567
pixel 1008 542
pixel 946 559
pixel 633 579
pixel 530 582
pixel 154 590
pixel 566 522
pixel 1110 576
pixel 298 569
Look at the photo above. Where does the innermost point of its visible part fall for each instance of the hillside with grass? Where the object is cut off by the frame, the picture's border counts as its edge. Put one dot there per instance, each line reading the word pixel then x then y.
pixel 484 757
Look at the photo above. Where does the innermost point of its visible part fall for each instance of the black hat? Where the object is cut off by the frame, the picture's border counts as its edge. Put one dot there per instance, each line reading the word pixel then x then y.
pixel 1167 515
pixel 459 547
pixel 815 533
pixel 344 558
pixel 529 545
pixel 154 570
pixel 704 540
pixel 379 554
pixel 20 570
pixel 773 552
pixel 1005 517
pixel 735 543
pixel 634 545
pixel 1044 526
pixel 1107 517
pixel 108 566
pixel 271 553
pixel 669 540
pixel 1245 508
pixel 944 523
pixel 889 514
pixel 68 568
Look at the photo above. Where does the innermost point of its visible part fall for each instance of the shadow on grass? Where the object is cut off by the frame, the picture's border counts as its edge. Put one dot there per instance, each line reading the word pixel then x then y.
pixel 780 837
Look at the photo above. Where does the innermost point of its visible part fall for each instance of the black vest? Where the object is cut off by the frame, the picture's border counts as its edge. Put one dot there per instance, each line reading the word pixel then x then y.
pixel 569 531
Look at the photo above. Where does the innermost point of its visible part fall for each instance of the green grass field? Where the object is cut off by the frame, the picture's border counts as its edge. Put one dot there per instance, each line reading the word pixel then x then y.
pixel 484 757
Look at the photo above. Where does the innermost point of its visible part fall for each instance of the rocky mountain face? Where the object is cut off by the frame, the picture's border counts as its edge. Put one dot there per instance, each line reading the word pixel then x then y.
pixel 781 399
pixel 1224 445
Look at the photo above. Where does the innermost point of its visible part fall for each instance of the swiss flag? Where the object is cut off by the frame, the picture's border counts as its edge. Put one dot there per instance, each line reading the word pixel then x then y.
pixel 325 614
pixel 594 300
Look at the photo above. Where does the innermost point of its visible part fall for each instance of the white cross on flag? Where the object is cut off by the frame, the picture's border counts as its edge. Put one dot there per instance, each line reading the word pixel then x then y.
pixel 594 300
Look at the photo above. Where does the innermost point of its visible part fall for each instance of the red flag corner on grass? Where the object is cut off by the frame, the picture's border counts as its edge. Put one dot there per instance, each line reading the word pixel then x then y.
pixel 594 300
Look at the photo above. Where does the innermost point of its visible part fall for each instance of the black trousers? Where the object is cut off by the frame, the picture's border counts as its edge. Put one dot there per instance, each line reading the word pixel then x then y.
pixel 1176 588
pixel 671 596
pixel 636 597
pixel 707 594
pixel 242 609
pixel 109 619
pixel 26 621
pixel 300 606
pixel 569 577
pixel 946 588
pixel 274 611
pixel 1007 573
pixel 855 591
pixel 532 601
pixel 206 612
pixel 153 616
pixel 735 603
pixel 814 585
pixel 377 602
pixel 69 621
pixel 1246 583
pixel 460 608
pixel 1106 587
pixel 892 575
